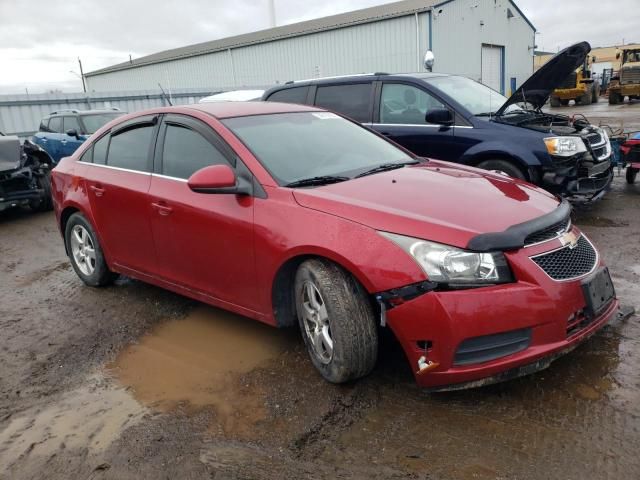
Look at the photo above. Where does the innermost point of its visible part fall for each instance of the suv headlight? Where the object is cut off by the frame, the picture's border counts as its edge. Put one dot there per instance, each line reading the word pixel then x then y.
pixel 564 146
pixel 454 266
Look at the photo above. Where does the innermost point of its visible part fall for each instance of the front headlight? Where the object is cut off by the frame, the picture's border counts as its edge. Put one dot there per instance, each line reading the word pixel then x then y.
pixel 564 146
pixel 454 266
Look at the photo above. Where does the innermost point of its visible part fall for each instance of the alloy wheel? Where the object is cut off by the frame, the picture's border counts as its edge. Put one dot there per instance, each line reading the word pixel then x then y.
pixel 82 249
pixel 316 322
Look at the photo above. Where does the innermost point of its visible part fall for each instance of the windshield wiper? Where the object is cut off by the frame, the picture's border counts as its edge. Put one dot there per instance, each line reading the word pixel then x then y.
pixel 386 166
pixel 320 180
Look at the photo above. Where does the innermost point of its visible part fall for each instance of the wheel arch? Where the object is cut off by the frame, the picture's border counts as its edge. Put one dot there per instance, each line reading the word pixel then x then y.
pixel 282 295
pixel 530 171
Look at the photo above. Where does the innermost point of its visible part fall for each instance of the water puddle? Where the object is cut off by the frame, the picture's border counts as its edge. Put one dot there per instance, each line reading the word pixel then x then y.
pixel 199 361
pixel 88 418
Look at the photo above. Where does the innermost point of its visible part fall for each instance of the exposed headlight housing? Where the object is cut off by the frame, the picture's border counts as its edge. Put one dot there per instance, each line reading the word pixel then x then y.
pixel 454 266
pixel 564 146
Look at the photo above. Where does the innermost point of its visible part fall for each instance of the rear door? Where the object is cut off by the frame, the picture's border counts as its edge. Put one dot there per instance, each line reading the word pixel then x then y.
pixel 204 241
pixel 68 143
pixel 355 100
pixel 400 116
pixel 118 181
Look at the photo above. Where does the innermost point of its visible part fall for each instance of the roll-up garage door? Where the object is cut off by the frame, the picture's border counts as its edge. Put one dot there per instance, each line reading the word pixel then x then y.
pixel 492 66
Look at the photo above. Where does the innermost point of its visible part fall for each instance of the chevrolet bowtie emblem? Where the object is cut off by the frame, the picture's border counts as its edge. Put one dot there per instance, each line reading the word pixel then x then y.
pixel 569 239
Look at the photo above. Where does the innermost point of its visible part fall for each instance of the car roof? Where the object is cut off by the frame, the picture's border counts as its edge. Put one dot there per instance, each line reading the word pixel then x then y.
pixel 83 112
pixel 243 109
pixel 233 96
pixel 358 77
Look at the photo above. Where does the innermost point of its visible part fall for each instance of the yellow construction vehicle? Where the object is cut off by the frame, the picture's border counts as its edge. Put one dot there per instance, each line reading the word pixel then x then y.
pixel 578 86
pixel 627 82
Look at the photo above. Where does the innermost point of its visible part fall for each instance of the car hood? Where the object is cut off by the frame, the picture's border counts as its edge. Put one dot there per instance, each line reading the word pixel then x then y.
pixel 538 87
pixel 436 201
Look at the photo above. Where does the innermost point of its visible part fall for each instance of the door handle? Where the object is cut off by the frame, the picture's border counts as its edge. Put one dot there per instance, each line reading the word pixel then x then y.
pixel 162 208
pixel 97 190
pixel 63 141
pixel 44 139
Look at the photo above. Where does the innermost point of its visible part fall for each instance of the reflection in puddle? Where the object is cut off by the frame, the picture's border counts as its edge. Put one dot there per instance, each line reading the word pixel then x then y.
pixel 90 417
pixel 199 361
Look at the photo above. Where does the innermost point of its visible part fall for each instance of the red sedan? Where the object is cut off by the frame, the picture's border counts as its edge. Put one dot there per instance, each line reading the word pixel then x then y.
pixel 290 214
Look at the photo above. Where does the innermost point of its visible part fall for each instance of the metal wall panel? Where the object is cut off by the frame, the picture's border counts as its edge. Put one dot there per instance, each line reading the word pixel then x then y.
pixel 392 45
pixel 20 114
pixel 461 27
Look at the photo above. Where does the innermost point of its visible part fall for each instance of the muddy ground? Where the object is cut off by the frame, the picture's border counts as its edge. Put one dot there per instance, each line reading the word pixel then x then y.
pixel 131 381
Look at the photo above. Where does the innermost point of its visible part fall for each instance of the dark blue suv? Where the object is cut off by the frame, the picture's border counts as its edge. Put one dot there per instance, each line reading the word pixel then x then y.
pixel 62 132
pixel 453 118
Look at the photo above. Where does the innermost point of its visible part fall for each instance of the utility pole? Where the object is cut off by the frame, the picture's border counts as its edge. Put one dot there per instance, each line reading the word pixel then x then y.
pixel 84 87
pixel 272 13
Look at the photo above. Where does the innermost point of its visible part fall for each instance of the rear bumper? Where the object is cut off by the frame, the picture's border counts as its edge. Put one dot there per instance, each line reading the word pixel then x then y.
pixel 437 325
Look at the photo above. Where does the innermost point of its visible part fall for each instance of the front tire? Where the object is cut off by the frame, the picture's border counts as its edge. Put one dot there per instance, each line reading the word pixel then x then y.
pixel 586 98
pixel 44 203
pixel 85 253
pixel 631 174
pixel 337 321
pixel 503 166
pixel 555 101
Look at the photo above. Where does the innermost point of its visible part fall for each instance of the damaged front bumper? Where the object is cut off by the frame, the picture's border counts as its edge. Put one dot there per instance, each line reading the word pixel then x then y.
pixel 18 188
pixel 579 178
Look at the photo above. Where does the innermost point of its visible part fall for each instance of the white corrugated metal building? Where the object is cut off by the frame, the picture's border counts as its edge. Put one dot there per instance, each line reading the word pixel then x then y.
pixel 487 40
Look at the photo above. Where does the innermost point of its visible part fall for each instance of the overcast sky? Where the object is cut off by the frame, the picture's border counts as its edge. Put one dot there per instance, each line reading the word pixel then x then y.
pixel 40 40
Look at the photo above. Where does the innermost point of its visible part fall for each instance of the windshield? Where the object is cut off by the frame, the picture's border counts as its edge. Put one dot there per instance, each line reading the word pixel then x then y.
pixel 631 56
pixel 93 122
pixel 296 146
pixel 475 97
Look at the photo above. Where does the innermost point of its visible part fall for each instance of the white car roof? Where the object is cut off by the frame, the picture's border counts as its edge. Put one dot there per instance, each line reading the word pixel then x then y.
pixel 234 96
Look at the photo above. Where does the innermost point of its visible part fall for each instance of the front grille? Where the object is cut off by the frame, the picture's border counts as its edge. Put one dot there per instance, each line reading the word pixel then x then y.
pixel 549 233
pixel 567 263
pixel 490 347
pixel 570 81
pixel 594 138
pixel 630 75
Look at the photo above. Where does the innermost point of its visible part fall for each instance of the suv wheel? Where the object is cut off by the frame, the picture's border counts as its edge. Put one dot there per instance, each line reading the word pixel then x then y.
pixel 336 320
pixel 85 252
pixel 503 166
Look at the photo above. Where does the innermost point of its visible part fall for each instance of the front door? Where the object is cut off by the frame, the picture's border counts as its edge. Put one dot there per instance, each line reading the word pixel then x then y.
pixel 204 241
pixel 117 182
pixel 401 118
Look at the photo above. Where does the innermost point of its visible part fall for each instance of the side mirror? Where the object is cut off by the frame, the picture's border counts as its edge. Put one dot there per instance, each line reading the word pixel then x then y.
pixel 439 116
pixel 429 58
pixel 213 179
pixel 73 133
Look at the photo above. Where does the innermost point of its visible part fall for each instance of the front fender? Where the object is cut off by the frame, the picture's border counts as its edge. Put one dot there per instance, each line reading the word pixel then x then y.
pixel 484 150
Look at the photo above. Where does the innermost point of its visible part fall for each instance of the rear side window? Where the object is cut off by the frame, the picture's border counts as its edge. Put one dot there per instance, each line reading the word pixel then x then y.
pixel 186 151
pixel 290 95
pixel 44 125
pixel 71 123
pixel 350 100
pixel 55 124
pixel 130 148
pixel 87 156
pixel 100 150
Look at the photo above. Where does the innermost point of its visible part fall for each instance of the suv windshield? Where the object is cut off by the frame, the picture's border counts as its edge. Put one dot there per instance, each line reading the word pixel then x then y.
pixel 475 97
pixel 302 145
pixel 94 121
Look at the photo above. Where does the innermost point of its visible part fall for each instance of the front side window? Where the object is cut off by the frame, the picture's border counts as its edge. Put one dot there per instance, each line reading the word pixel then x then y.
pixel 290 95
pixel 186 151
pixel 406 104
pixel 55 124
pixel 295 146
pixel 130 148
pixel 351 100
pixel 71 123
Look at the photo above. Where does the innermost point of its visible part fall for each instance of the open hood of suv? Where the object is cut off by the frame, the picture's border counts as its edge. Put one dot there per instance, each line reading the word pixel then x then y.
pixel 538 87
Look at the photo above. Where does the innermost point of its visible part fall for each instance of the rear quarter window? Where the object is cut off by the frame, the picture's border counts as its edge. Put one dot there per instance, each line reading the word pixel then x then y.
pixel 290 95
pixel 44 125
pixel 353 100
pixel 100 150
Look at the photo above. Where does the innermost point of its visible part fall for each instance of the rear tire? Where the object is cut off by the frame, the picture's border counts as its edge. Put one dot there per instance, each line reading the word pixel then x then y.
pixel 85 252
pixel 555 101
pixel 595 94
pixel 336 320
pixel 503 166
pixel 631 174
pixel 564 103
pixel 614 98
